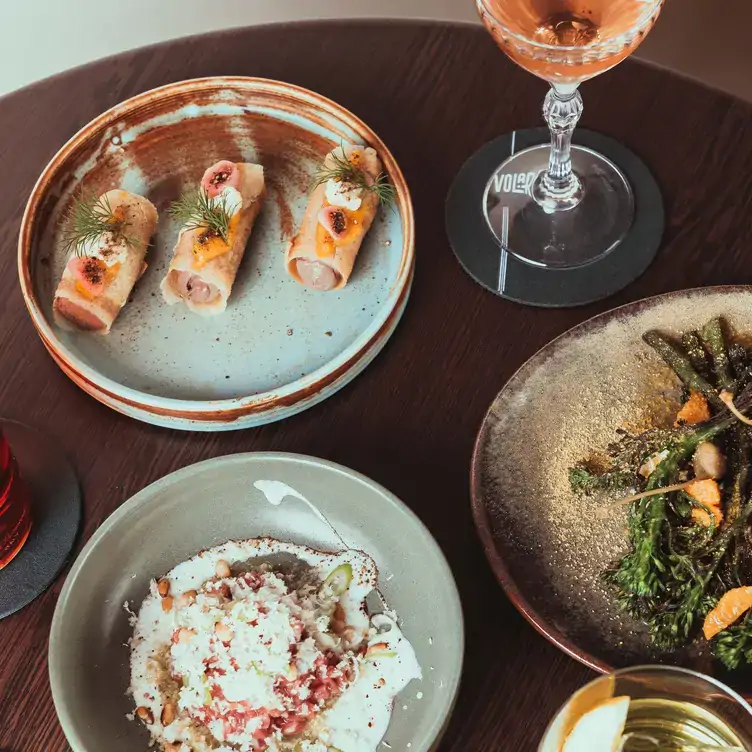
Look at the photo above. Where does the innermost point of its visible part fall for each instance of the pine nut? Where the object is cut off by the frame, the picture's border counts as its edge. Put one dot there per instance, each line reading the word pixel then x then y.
pixel 169 711
pixel 145 714
pixel 222 569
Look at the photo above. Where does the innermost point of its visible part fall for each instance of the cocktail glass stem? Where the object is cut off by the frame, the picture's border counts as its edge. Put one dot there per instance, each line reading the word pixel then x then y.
pixel 558 188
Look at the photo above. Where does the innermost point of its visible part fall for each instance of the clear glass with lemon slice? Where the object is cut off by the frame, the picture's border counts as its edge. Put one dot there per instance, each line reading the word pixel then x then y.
pixel 652 709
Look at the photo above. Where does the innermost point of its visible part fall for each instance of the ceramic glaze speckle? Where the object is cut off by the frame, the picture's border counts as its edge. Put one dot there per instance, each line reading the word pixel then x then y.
pixel 279 347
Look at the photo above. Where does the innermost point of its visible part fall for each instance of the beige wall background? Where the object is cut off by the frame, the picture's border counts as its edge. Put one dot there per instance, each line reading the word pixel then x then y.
pixel 705 39
pixel 43 37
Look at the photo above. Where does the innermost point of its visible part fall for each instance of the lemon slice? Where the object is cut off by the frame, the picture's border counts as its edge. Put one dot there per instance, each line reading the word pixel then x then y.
pixel 600 729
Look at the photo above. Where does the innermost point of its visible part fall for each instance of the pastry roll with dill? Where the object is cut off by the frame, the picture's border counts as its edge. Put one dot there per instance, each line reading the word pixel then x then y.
pixel 107 237
pixel 347 192
pixel 217 221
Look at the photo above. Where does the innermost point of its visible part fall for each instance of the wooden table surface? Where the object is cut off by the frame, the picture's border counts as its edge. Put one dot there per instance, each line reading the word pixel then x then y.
pixel 435 94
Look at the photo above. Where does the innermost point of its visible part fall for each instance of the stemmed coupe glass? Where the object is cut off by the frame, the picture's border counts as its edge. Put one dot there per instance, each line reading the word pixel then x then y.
pixel 577 205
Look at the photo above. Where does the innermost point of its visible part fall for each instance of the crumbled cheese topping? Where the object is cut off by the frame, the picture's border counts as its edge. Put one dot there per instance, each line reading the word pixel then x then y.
pixel 260 661
pixel 243 658
pixel 306 746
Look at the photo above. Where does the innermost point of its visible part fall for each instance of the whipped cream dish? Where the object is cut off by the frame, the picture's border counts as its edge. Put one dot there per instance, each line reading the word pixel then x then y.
pixel 265 645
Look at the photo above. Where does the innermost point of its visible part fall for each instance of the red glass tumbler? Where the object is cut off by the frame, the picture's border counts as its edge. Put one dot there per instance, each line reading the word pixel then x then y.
pixel 15 505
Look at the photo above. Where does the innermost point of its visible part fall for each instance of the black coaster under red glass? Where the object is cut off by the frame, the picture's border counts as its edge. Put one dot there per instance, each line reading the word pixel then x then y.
pixel 475 206
pixel 55 511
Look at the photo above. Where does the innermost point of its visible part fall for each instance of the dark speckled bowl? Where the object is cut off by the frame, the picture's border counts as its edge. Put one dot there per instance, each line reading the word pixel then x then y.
pixel 544 544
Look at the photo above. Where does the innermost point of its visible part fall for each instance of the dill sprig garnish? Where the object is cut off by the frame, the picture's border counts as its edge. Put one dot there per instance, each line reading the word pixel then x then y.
pixel 195 210
pixel 346 172
pixel 90 217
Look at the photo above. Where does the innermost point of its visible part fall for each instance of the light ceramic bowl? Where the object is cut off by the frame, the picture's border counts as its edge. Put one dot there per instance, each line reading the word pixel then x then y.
pixel 279 348
pixel 214 501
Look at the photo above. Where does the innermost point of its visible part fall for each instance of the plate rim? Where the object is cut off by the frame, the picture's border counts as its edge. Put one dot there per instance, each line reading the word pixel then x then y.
pixel 229 420
pixel 56 638
pixel 480 514
pixel 233 408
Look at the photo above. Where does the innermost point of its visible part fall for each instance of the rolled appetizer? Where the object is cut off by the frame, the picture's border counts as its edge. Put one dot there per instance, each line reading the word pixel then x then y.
pixel 217 221
pixel 107 238
pixel 346 196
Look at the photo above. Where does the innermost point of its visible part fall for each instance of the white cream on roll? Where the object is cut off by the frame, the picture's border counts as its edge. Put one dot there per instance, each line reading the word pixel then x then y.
pixel 230 198
pixel 106 248
pixel 346 195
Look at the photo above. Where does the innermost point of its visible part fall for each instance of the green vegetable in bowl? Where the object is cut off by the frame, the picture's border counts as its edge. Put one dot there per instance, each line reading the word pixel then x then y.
pixel 339 579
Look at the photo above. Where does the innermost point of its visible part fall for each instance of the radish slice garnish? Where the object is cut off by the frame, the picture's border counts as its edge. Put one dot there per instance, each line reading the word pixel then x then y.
pixel 219 176
pixel 334 221
pixel 89 272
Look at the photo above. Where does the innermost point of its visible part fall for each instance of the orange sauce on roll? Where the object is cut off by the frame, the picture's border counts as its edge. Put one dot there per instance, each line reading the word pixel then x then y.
pixel 326 245
pixel 208 247
pixel 92 275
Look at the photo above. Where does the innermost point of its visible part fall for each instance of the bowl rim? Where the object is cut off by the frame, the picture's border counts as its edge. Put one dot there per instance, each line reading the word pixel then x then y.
pixel 232 420
pixel 232 408
pixel 57 635
pixel 493 552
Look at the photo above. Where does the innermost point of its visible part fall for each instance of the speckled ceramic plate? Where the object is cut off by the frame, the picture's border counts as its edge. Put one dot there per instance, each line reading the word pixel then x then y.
pixel 544 544
pixel 206 504
pixel 279 347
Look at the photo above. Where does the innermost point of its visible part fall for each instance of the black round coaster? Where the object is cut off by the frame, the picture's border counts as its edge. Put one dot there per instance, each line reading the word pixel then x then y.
pixel 483 258
pixel 56 515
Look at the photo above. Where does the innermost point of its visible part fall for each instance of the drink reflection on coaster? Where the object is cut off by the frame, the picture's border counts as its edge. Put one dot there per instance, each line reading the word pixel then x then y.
pixel 651 709
pixel 15 505
pixel 559 205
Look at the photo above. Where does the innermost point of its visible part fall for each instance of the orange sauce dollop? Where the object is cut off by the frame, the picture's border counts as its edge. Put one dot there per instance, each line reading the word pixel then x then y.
pixel 207 248
pixel 326 245
pixel 89 289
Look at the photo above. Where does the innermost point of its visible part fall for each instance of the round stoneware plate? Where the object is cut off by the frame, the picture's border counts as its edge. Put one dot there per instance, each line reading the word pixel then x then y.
pixel 544 544
pixel 279 348
pixel 214 501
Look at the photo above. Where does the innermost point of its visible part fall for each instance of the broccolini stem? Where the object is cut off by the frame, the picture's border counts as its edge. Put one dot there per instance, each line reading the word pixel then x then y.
pixel 712 336
pixel 682 367
pixel 692 343
pixel 651 512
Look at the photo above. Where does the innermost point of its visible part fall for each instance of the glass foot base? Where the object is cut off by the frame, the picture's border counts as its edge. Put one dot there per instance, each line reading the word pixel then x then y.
pixel 562 239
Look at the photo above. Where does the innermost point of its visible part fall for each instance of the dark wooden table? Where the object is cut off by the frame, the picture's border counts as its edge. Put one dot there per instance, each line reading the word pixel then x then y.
pixel 434 93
